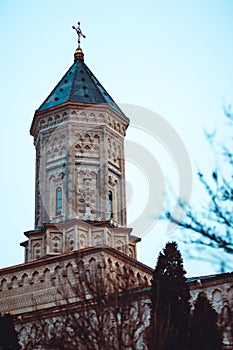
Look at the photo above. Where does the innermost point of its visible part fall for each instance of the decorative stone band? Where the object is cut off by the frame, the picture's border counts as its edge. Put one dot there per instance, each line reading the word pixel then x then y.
pixel 34 286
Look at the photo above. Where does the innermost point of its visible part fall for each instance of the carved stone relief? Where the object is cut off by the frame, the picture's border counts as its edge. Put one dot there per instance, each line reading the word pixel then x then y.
pixel 82 241
pixel 87 145
pixel 55 243
pixel 87 193
pixel 71 240
pixel 36 249
pixel 114 152
pixel 98 239
pixel 56 147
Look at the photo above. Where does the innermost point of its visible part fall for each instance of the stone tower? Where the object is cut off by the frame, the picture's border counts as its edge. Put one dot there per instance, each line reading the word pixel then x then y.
pixel 80 169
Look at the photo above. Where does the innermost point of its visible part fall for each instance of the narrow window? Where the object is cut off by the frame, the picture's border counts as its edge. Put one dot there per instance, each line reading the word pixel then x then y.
pixel 58 201
pixel 110 207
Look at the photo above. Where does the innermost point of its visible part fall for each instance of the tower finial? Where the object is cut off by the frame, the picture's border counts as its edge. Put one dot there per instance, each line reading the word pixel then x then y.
pixel 79 32
pixel 79 53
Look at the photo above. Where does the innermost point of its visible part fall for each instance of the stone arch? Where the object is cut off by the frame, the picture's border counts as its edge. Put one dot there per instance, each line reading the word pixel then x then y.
pixel 50 121
pixel 80 265
pixel 92 260
pixel 57 270
pixel 93 174
pixel 69 269
pixel 109 261
pixel 92 115
pixel 93 265
pixel 216 296
pixel 81 172
pixel 46 274
pixel 25 279
pixel 35 277
pixel 57 117
pixel 145 280
pixel 4 284
pixel 42 122
pixel 131 275
pixel 140 279
pixel 101 117
pixel 14 282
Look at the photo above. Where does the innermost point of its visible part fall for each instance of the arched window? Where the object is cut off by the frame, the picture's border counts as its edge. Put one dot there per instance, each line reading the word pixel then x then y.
pixel 110 206
pixel 58 201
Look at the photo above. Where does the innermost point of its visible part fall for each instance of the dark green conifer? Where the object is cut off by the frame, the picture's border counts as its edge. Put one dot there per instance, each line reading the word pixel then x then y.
pixel 170 312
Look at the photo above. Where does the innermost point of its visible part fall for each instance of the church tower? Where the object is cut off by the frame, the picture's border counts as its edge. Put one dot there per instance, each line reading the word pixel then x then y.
pixel 80 197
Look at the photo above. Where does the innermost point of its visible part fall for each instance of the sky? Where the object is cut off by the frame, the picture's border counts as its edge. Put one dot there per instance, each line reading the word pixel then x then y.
pixel 171 57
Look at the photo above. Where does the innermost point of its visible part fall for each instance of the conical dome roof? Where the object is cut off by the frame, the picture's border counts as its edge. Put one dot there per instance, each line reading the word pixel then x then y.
pixel 81 86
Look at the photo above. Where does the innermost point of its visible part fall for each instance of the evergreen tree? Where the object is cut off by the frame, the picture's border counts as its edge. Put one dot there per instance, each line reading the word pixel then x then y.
pixel 169 325
pixel 8 335
pixel 205 334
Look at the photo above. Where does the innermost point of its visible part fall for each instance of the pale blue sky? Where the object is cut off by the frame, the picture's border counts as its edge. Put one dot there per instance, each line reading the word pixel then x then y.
pixel 173 57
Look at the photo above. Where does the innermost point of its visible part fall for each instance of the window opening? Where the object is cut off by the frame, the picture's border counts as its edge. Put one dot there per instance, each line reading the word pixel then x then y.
pixel 58 201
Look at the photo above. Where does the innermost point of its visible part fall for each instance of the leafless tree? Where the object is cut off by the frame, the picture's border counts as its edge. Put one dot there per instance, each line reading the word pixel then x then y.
pixel 100 306
pixel 212 224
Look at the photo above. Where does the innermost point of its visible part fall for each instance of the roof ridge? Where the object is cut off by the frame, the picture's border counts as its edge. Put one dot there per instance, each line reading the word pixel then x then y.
pixel 98 84
pixel 92 76
pixel 72 85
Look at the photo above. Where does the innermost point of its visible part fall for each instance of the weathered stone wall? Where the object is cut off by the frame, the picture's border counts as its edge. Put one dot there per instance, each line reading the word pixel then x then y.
pixel 34 286
pixel 219 291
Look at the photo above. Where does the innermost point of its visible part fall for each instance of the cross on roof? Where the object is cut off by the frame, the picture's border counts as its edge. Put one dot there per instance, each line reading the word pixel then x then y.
pixel 79 32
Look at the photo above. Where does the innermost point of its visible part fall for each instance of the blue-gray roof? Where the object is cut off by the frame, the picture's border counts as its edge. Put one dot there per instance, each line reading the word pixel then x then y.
pixel 79 85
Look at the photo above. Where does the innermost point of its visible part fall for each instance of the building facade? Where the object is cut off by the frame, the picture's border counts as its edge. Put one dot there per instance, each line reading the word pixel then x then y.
pixel 80 220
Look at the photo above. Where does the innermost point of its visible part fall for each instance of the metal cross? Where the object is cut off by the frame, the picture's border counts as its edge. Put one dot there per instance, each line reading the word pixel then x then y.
pixel 79 32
